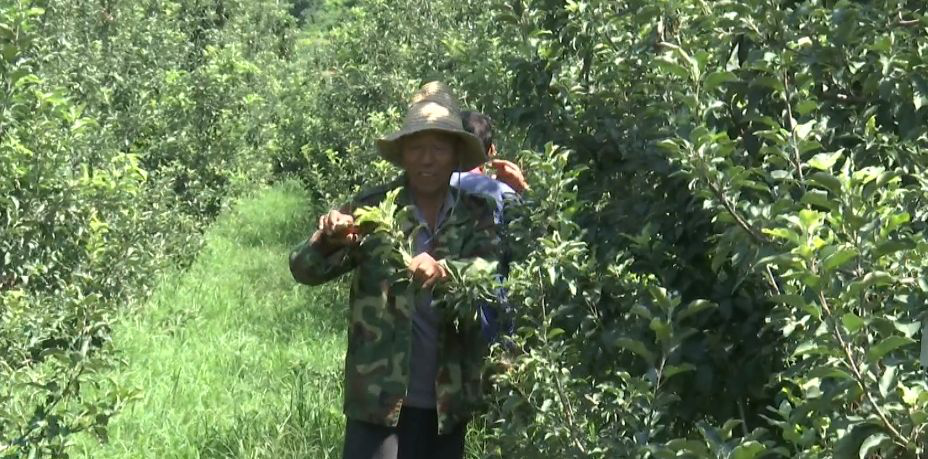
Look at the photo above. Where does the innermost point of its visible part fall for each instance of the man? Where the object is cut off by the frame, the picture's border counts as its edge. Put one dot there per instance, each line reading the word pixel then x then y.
pixel 412 374
pixel 509 180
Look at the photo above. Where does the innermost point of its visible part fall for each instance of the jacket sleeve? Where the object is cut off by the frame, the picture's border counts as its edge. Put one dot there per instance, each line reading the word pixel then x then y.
pixel 308 265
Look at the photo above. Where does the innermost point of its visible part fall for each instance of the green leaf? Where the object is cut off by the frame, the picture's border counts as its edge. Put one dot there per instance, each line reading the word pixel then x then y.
pixel 716 79
pixel 910 395
pixel 887 380
pixel 555 332
pixel 669 145
pixel 695 307
pixel 883 44
pixel 803 130
pixel 877 278
pixel 872 443
pixel 871 126
pixel 768 81
pixel 659 294
pixel 819 198
pixel 890 247
pixel 805 107
pixel 668 66
pixel 826 180
pixel 792 300
pixel 780 174
pixel 783 233
pixel 886 346
pixel 811 348
pixel 662 330
pixel 808 145
pixel 694 65
pixel 830 372
pixel 730 425
pixel 642 312
pixel 508 18
pixel 825 161
pixel 673 370
pixel 9 52
pixel 898 220
pixel 852 322
pixel 848 446
pixel 810 220
pixel 839 258
pixel 636 347
pixel 888 176
pixel 909 329
pixel 748 450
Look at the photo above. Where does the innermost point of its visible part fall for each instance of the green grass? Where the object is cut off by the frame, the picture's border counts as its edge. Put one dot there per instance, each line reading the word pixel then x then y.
pixel 232 358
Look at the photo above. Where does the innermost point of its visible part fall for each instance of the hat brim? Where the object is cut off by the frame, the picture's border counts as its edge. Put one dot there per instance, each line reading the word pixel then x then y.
pixel 470 155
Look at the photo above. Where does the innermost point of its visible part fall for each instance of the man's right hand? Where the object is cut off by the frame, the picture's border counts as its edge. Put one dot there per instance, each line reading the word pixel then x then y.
pixel 336 229
pixel 510 174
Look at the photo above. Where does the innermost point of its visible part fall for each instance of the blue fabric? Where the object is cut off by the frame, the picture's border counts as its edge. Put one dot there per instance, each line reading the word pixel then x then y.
pixel 474 183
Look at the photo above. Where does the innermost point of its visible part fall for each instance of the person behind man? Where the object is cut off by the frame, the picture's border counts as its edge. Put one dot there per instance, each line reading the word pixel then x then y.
pixel 509 179
pixel 413 376
pixel 505 188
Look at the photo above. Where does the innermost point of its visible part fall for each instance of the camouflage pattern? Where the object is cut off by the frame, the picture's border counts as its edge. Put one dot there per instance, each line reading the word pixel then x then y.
pixel 381 303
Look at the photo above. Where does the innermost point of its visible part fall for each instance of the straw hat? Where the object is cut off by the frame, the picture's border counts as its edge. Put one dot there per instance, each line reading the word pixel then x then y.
pixel 435 91
pixel 433 108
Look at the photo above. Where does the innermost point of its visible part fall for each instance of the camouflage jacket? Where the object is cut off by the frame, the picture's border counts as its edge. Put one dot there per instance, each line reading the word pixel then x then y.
pixel 381 303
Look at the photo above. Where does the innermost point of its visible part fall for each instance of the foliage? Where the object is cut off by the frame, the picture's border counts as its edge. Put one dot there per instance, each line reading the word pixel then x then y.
pixel 227 357
pixel 123 128
pixel 723 257
pixel 385 229
pixel 385 223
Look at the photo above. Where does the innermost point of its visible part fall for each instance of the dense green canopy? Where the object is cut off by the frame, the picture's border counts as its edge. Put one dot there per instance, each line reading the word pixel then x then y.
pixel 722 253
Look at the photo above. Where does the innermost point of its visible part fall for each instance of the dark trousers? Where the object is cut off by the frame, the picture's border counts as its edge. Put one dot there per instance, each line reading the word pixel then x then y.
pixel 414 437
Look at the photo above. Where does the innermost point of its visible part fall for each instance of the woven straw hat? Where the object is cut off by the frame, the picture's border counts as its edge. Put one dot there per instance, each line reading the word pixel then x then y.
pixel 433 108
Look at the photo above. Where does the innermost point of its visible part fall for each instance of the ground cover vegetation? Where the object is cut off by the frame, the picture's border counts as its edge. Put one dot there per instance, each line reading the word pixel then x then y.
pixel 124 126
pixel 230 358
pixel 721 255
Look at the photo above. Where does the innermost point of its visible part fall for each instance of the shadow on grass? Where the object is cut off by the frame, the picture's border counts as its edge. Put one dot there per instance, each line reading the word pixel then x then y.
pixel 311 425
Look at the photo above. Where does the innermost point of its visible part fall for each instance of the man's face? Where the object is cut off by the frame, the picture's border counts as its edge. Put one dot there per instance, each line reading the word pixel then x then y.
pixel 428 159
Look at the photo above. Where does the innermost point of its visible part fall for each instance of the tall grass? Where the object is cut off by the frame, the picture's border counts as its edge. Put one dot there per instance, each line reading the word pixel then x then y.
pixel 231 358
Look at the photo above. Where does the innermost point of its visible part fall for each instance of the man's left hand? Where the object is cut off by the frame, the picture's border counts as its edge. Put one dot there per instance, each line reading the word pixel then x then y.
pixel 426 270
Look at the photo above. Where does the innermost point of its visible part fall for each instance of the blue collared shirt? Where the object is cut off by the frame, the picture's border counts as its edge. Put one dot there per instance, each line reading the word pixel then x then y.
pixel 475 183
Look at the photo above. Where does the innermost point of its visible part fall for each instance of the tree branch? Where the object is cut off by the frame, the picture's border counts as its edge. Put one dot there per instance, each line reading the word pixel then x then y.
pixel 900 439
pixel 797 158
pixel 757 236
pixel 565 402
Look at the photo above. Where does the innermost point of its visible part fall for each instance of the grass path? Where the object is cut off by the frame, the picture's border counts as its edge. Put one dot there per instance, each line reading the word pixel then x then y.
pixel 231 358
